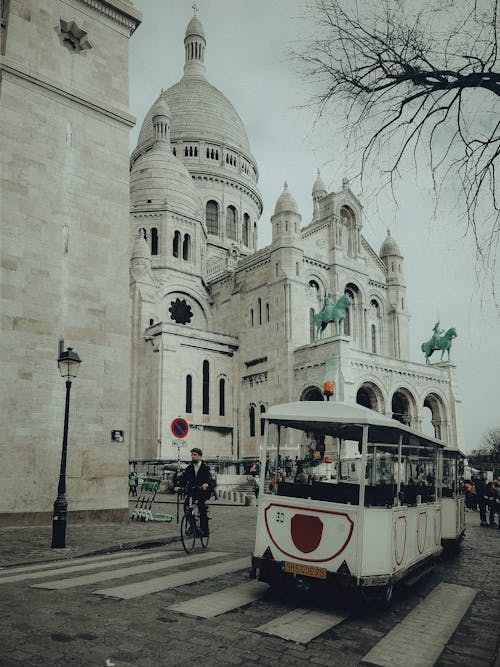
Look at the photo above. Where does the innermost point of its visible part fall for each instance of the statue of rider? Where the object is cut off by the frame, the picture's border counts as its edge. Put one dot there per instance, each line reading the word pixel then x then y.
pixel 436 335
pixel 328 301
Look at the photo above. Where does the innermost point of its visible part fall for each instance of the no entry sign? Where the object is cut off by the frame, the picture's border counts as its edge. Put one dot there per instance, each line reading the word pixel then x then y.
pixel 179 428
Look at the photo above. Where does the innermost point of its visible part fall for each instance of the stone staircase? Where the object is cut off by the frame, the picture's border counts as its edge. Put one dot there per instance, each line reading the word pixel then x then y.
pixel 240 493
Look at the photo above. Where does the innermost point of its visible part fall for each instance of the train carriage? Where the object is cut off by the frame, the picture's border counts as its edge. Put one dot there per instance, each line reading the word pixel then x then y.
pixel 365 533
pixel 452 498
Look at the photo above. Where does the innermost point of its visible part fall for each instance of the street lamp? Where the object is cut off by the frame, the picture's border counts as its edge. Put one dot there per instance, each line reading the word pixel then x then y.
pixel 69 363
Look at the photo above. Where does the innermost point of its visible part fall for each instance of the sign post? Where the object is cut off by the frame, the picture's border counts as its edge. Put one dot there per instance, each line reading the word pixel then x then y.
pixel 180 429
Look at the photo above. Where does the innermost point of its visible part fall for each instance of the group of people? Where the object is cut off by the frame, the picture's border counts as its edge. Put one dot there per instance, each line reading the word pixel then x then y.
pixel 483 495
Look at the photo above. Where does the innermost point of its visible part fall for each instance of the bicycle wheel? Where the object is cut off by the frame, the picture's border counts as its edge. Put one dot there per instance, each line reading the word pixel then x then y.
pixel 203 538
pixel 188 532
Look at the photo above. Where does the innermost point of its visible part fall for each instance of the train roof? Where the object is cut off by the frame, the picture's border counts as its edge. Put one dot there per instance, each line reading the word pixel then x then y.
pixel 346 421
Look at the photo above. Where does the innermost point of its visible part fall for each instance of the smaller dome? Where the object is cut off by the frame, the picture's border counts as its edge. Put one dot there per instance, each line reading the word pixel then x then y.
pixel 161 108
pixel 194 27
pixel 158 176
pixel 140 249
pixel 389 246
pixel 319 187
pixel 286 203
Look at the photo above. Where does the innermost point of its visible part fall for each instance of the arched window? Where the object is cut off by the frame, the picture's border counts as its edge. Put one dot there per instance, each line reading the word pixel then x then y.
pixel 267 312
pixel 374 339
pixel 260 310
pixel 262 422
pixel 186 247
pixel 251 316
pixel 176 243
pixel 231 223
pixel 154 241
pixel 142 231
pixel 189 393
pixel 206 388
pixel 212 217
pixel 186 152
pixel 246 229
pixel 222 397
pixel 251 414
pixel 311 325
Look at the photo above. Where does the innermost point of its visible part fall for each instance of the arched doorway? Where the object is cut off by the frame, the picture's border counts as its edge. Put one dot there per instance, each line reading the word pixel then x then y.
pixel 312 394
pixel 433 417
pixel 370 396
pixel 401 406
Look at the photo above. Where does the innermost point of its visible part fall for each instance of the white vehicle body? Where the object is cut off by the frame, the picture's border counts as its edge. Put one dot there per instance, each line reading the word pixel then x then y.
pixel 366 534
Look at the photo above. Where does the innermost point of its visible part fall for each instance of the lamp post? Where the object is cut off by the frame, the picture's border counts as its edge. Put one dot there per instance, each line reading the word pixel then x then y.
pixel 69 363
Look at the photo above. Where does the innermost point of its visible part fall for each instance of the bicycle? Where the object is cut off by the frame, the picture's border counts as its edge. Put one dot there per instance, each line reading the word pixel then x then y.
pixel 190 523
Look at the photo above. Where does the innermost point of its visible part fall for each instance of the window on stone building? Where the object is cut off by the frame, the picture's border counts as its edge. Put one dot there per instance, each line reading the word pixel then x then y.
pixel 267 312
pixel 212 217
pixel 262 422
pixel 231 222
pixel 260 311
pixel 176 243
pixel 252 420
pixel 206 388
pixel 186 247
pixel 142 231
pixel 374 339
pixel 251 316
pixel 311 325
pixel 189 394
pixel 154 241
pixel 222 397
pixel 246 229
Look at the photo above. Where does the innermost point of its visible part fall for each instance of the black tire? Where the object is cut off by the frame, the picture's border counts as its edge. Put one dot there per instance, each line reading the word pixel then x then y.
pixel 188 533
pixel 379 597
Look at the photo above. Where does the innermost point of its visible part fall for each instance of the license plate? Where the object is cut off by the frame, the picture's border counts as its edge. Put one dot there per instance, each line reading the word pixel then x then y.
pixel 305 570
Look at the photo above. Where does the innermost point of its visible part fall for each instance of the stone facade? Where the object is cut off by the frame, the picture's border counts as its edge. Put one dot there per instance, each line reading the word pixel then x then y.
pixel 64 253
pixel 221 330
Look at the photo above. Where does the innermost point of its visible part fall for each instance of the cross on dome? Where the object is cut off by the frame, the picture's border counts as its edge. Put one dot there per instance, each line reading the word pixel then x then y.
pixel 194 7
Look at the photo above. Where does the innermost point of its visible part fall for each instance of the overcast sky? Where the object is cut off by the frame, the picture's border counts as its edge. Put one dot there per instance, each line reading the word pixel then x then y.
pixel 248 42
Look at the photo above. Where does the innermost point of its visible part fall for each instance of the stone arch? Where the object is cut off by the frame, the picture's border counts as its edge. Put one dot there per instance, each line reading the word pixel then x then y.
pixel 177 290
pixel 436 423
pixel 403 406
pixel 370 395
pixel 353 324
pixel 312 393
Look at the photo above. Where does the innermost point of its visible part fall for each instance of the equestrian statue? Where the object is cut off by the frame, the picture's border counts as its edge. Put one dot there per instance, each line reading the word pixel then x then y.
pixel 439 342
pixel 332 312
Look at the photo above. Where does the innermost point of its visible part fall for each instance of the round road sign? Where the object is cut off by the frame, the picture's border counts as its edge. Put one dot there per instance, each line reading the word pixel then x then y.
pixel 179 428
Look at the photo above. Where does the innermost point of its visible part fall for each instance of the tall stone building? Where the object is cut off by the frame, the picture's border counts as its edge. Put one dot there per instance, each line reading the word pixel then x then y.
pixel 64 253
pixel 220 330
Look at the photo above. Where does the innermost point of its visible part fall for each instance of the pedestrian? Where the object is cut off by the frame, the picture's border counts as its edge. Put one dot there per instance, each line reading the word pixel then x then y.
pixel 132 485
pixel 482 493
pixel 256 486
pixel 494 503
pixel 470 502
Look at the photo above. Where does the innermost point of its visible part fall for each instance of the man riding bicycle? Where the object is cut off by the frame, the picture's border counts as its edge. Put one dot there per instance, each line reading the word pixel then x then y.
pixel 198 480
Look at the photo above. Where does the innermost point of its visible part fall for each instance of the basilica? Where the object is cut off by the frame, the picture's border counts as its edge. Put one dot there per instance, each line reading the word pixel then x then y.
pixel 220 328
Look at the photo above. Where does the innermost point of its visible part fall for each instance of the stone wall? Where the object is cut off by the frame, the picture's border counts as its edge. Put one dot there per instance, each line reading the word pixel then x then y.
pixel 64 252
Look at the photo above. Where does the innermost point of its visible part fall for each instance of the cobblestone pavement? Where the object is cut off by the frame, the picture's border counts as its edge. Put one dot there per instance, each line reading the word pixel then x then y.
pixel 75 627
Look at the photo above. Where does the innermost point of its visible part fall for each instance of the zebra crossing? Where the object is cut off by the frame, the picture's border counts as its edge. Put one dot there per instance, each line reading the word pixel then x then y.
pixel 167 568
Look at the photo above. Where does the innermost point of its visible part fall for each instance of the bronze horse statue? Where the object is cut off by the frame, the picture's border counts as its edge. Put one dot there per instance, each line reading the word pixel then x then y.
pixel 332 312
pixel 442 343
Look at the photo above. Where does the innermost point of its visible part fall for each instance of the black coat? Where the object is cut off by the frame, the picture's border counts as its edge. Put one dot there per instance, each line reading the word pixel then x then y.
pixel 188 477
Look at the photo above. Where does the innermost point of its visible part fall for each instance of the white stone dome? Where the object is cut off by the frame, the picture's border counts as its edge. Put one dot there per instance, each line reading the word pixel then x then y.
pixel 319 188
pixel 286 202
pixel 194 27
pixel 389 246
pixel 199 111
pixel 160 108
pixel 159 177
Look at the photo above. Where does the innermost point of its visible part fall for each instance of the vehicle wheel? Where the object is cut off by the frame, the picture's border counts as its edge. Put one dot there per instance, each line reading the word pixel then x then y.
pixel 378 596
pixel 188 533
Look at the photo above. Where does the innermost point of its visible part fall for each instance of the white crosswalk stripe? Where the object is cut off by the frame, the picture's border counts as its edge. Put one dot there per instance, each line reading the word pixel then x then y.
pixel 213 604
pixel 420 638
pixel 68 562
pixel 128 571
pixel 302 625
pixel 59 570
pixel 157 584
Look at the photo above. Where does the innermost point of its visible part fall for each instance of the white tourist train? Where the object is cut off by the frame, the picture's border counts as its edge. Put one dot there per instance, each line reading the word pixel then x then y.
pixel 380 517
